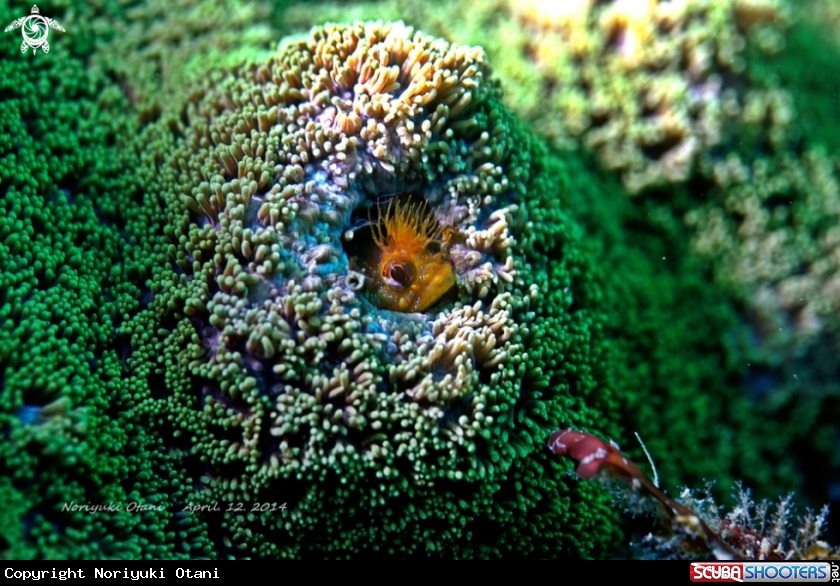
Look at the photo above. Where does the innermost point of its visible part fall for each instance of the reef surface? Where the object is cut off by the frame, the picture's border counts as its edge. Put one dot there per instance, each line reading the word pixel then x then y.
pixel 186 332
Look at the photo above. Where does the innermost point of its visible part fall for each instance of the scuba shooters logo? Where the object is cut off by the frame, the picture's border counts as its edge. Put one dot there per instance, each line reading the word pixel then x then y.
pixel 35 30
pixel 748 571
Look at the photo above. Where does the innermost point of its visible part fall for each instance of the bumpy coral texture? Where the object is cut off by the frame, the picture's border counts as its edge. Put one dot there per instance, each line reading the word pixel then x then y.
pixel 251 367
pixel 405 433
pixel 650 86
pixel 702 105
pixel 154 48
pixel 68 439
pixel 666 93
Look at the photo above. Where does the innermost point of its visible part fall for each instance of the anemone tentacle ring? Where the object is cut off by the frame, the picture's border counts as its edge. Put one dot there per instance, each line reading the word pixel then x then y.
pixel 35 29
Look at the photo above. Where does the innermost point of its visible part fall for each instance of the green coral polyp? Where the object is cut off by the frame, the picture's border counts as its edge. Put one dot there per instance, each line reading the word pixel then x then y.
pixel 283 383
pixel 181 325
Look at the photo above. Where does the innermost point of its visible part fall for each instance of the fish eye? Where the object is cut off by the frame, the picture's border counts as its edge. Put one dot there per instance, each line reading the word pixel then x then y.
pixel 398 274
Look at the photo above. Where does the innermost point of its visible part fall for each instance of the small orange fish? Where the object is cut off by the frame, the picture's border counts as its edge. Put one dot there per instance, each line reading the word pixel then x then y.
pixel 406 270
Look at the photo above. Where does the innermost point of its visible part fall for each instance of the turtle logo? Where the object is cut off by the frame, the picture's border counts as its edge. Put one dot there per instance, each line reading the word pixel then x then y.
pixel 35 31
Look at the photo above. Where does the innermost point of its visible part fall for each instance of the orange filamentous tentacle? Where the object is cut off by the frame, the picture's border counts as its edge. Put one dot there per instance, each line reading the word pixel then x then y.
pixel 407 228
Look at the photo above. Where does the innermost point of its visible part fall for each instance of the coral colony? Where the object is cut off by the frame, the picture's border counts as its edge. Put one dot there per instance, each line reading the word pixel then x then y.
pixel 282 370
pixel 698 98
pixel 253 368
pixel 329 297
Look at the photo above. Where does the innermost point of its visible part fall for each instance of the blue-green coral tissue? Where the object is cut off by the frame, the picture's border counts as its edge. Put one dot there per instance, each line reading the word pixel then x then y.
pixel 67 436
pixel 271 377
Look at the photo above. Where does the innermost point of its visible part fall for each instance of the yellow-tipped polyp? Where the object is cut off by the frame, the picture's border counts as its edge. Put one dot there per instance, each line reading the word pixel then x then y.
pixel 407 270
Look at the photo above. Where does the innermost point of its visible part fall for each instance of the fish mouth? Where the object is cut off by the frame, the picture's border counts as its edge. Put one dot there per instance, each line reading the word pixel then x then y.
pixel 433 282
